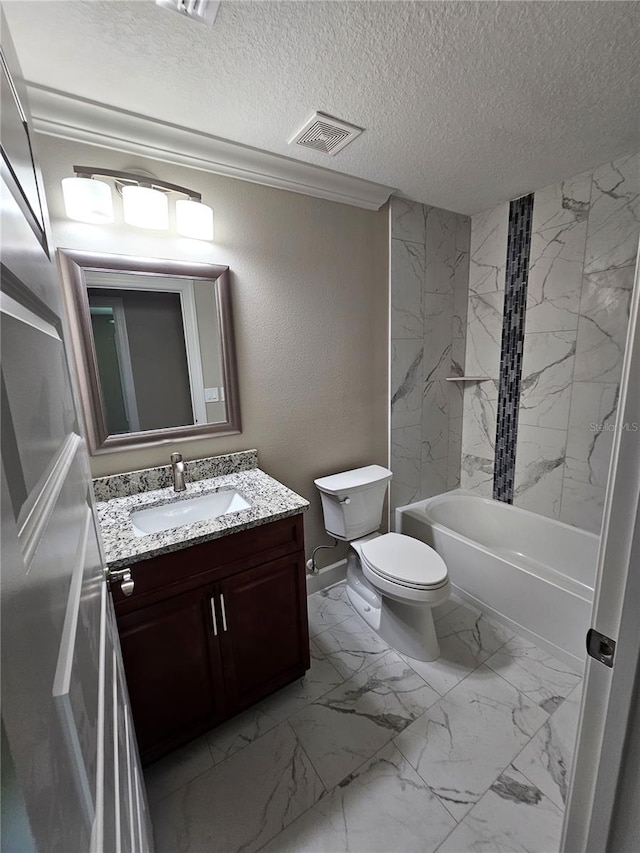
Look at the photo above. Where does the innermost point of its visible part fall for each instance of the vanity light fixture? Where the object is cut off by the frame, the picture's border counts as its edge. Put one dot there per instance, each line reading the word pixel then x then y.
pixel 145 202
pixel 86 200
pixel 194 219
pixel 145 207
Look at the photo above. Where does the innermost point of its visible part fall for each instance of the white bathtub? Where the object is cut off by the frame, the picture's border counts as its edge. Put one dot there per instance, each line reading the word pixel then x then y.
pixel 532 573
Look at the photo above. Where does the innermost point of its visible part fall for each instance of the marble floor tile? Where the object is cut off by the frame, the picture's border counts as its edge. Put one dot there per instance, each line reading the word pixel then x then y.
pixel 474 630
pixel 242 730
pixel 233 735
pixel 321 677
pixel 404 748
pixel 344 728
pixel 177 769
pixel 383 806
pixel 544 679
pixel 242 803
pixel 462 743
pixel 512 817
pixel 546 759
pixel 442 610
pixel 351 646
pixel 456 661
pixel 327 608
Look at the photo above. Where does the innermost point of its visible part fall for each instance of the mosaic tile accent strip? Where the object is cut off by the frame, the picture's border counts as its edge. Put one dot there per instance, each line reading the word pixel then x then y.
pixel 515 301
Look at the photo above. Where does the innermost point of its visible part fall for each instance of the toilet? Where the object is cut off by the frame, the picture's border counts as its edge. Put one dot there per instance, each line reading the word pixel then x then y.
pixel 393 580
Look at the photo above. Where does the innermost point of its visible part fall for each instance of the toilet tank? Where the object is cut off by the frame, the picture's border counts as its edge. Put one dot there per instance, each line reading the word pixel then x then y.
pixel 352 501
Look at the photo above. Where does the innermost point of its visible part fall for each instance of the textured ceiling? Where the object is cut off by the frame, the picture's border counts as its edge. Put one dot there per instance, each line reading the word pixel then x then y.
pixel 465 104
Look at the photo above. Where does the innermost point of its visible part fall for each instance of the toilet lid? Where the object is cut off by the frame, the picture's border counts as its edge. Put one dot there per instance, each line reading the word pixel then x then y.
pixel 406 560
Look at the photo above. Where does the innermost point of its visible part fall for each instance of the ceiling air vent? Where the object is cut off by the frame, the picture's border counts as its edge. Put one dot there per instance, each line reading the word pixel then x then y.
pixel 204 11
pixel 325 133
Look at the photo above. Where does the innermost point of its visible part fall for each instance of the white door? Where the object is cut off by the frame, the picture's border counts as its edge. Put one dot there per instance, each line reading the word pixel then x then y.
pixel 603 812
pixel 70 770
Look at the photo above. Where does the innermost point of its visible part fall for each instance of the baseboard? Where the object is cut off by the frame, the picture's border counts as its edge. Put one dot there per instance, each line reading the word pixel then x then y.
pixel 327 576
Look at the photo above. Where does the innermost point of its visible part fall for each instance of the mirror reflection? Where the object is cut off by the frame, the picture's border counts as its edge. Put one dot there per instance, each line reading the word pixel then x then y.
pixel 157 345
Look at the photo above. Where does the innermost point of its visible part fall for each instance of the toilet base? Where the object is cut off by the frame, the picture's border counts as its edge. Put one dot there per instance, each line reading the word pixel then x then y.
pixel 365 600
pixel 407 628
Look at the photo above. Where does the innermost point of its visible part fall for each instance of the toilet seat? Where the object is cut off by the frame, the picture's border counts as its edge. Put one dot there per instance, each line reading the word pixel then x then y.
pixel 405 561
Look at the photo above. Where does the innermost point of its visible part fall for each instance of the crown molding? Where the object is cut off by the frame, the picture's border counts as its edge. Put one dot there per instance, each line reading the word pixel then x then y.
pixel 67 117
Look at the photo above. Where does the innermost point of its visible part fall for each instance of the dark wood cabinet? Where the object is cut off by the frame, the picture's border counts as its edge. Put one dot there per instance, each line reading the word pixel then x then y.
pixel 172 667
pixel 212 629
pixel 265 638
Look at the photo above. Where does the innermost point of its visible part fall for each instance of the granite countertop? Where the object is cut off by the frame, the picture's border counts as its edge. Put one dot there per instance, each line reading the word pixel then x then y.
pixel 269 500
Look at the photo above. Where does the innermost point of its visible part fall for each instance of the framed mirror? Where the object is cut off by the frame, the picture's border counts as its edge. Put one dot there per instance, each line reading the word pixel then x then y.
pixel 153 347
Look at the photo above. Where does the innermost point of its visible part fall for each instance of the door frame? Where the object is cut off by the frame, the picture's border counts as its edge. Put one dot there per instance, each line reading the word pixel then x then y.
pixel 123 354
pixel 610 711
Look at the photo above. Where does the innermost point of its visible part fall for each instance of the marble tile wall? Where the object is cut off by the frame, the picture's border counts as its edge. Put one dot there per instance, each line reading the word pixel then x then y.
pixel 583 251
pixel 429 278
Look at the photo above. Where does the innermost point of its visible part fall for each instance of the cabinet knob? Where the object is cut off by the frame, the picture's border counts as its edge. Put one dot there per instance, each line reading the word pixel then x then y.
pixel 124 576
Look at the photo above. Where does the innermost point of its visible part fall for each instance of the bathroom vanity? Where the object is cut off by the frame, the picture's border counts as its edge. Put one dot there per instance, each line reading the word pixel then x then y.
pixel 217 617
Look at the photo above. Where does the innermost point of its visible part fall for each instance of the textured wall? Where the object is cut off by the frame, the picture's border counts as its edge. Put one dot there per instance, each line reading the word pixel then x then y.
pixel 310 299
pixel 584 242
pixel 429 275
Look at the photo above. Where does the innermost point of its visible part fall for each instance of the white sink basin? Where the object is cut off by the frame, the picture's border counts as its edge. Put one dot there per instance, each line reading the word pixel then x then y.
pixel 175 514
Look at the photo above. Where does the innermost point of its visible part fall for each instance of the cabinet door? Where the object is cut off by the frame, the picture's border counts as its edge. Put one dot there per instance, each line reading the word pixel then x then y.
pixel 265 639
pixel 172 661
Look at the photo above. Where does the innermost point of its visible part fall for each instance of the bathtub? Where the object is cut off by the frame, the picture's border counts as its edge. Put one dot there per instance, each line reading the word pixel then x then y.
pixel 534 574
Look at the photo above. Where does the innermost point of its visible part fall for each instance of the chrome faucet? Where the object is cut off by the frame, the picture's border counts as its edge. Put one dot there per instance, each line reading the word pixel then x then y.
pixel 177 467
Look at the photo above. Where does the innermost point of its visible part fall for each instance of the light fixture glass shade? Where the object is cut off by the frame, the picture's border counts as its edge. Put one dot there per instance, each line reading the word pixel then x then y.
pixel 145 208
pixel 87 200
pixel 194 219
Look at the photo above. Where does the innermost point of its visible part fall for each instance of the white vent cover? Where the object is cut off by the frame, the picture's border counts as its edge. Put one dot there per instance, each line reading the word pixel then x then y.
pixel 325 133
pixel 204 11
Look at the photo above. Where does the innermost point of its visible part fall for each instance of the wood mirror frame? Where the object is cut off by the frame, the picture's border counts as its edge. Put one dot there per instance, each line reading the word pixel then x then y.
pixel 73 265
